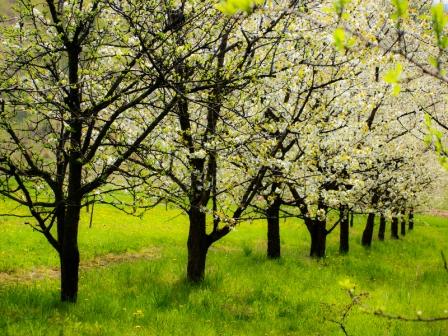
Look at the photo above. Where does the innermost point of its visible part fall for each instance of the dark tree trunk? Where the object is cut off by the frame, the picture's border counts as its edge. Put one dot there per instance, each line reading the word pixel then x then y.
pixel 272 215
pixel 318 235
pixel 352 217
pixel 344 230
pixel 394 228
pixel 411 219
pixel 368 231
pixel 382 229
pixel 403 225
pixel 198 244
pixel 69 252
pixel 69 261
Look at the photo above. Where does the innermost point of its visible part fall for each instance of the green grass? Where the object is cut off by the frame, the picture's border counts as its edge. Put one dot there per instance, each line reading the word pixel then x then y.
pixel 243 294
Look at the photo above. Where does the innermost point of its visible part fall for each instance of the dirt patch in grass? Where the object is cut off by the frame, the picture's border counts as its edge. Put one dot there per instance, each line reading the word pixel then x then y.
pixel 98 262
pixel 439 213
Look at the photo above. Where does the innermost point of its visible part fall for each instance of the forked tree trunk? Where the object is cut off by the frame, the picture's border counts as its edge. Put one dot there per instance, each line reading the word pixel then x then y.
pixel 382 228
pixel 394 228
pixel 403 225
pixel 411 219
pixel 344 230
pixel 198 244
pixel 368 231
pixel 352 218
pixel 318 235
pixel 272 216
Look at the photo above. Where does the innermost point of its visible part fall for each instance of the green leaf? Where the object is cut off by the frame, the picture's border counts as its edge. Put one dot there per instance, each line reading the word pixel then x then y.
pixel 393 75
pixel 347 284
pixel 439 21
pixel 339 39
pixel 396 89
pixel 231 7
pixel 428 120
pixel 435 137
pixel 433 61
pixel 339 6
pixel 401 9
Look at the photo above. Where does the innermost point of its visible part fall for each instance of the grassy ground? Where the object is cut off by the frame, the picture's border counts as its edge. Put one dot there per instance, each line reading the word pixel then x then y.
pixel 244 294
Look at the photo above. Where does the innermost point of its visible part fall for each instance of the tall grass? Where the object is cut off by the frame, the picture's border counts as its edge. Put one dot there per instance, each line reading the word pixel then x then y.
pixel 243 294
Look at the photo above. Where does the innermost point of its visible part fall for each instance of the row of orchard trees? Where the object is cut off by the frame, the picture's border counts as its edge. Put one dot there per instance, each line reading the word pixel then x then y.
pixel 136 102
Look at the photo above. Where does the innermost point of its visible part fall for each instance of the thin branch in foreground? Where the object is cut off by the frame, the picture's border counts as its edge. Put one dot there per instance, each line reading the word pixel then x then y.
pixel 409 319
pixel 14 215
pixel 356 300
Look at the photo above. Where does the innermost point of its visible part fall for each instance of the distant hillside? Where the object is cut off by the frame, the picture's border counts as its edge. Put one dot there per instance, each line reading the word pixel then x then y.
pixel 5 7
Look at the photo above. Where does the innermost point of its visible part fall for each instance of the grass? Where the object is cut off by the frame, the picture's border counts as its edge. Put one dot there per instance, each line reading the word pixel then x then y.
pixel 243 294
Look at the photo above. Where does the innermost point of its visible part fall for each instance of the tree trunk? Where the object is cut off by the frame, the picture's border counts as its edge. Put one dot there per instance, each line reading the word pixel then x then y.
pixel 368 231
pixel 272 215
pixel 411 219
pixel 344 230
pixel 198 244
pixel 394 228
pixel 318 235
pixel 69 261
pixel 69 254
pixel 403 225
pixel 352 217
pixel 382 229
